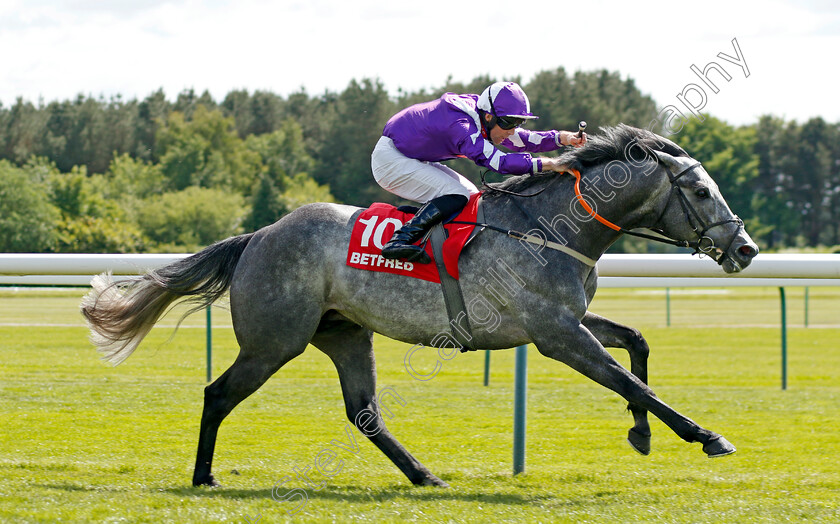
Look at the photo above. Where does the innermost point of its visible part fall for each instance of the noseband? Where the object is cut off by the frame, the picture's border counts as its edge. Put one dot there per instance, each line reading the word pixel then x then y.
pixel 705 245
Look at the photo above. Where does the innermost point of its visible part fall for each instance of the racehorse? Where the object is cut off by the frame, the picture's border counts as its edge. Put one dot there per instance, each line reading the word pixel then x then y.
pixel 290 286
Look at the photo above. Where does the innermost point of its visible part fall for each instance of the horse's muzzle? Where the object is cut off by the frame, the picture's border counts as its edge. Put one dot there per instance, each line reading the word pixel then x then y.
pixel 740 253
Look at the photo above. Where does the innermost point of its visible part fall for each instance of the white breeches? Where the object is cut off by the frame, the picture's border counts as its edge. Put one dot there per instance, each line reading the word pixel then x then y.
pixel 412 179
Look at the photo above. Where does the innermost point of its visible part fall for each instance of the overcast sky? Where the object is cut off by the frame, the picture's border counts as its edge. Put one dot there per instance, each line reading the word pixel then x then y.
pixel 55 50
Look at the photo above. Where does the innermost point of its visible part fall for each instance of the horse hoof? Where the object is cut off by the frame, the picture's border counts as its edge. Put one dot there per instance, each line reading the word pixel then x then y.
pixel 209 482
pixel 433 481
pixel 639 442
pixel 718 447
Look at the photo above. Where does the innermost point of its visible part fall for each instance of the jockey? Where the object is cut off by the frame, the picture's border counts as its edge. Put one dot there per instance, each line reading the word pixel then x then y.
pixel 406 160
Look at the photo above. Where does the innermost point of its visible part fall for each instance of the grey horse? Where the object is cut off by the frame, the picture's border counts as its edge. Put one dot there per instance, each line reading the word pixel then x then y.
pixel 290 286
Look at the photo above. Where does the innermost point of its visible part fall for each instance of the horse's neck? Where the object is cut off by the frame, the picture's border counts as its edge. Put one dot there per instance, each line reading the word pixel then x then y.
pixel 562 219
pixel 625 203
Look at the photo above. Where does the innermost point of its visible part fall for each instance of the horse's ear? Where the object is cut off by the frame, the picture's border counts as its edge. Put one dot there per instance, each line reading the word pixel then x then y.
pixel 667 160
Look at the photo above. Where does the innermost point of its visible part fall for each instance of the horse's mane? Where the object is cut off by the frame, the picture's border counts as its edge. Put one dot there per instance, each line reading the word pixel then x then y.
pixel 611 144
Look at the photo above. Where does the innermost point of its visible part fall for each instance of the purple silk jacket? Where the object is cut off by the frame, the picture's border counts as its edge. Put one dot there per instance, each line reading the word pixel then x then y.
pixel 449 128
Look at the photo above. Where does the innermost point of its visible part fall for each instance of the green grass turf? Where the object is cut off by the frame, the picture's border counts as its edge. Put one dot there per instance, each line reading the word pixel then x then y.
pixel 84 442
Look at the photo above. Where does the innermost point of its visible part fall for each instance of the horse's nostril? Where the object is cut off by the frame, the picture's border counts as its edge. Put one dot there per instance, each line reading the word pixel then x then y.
pixel 747 251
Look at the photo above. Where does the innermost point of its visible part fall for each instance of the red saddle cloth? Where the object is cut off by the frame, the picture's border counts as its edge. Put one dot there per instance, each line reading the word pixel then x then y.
pixel 377 224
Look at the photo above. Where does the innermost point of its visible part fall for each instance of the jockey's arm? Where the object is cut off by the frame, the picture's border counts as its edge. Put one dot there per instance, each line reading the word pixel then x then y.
pixel 542 141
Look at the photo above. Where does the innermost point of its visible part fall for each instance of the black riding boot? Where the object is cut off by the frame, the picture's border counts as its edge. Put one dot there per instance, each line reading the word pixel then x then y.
pixel 401 245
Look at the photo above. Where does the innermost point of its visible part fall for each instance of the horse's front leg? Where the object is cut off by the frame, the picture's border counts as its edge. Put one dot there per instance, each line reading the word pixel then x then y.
pixel 614 335
pixel 570 342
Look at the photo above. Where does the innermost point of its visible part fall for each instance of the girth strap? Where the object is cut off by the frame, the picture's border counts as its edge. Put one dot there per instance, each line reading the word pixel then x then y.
pixel 459 320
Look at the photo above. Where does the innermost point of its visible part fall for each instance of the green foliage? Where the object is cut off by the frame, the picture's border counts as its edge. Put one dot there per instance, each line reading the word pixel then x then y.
pixel 90 221
pixel 817 180
pixel 151 114
pixel 130 177
pixel 188 103
pixel 72 194
pixel 23 127
pixel 192 218
pixel 601 98
pixel 781 177
pixel 798 186
pixel 205 152
pixel 301 190
pixel 282 152
pixel 27 217
pixel 91 234
pixel 269 204
pixel 361 112
pixel 316 116
pixel 728 155
pixel 282 186
pixel 256 114
pixel 266 207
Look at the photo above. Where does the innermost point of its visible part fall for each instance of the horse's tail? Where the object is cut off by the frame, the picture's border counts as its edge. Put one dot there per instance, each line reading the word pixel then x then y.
pixel 121 314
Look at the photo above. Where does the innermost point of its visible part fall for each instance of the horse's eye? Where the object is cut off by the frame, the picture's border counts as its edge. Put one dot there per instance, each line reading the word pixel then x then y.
pixel 702 193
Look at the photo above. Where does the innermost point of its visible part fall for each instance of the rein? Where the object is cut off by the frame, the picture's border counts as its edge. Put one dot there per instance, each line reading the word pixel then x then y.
pixel 532 239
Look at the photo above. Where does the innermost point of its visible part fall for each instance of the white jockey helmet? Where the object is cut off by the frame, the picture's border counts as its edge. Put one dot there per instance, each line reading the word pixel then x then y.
pixel 506 99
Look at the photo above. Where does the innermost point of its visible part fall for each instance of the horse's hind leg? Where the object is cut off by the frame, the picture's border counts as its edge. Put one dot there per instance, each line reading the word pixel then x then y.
pixel 263 350
pixel 614 335
pixel 350 347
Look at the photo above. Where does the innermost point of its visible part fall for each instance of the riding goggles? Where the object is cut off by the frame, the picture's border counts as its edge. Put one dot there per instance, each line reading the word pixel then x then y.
pixel 509 122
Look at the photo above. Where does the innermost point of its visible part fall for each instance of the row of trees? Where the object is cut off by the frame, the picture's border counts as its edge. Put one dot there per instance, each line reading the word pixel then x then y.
pixel 782 177
pixel 96 175
pixel 204 184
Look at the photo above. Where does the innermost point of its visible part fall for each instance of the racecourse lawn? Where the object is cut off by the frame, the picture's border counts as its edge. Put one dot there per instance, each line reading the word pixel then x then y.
pixel 81 441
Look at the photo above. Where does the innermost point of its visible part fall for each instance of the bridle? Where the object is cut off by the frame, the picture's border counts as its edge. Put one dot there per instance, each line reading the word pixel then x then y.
pixel 704 245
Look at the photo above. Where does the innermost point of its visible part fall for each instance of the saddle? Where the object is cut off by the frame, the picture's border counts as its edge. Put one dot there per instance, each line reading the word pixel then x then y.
pixel 444 244
pixel 374 226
